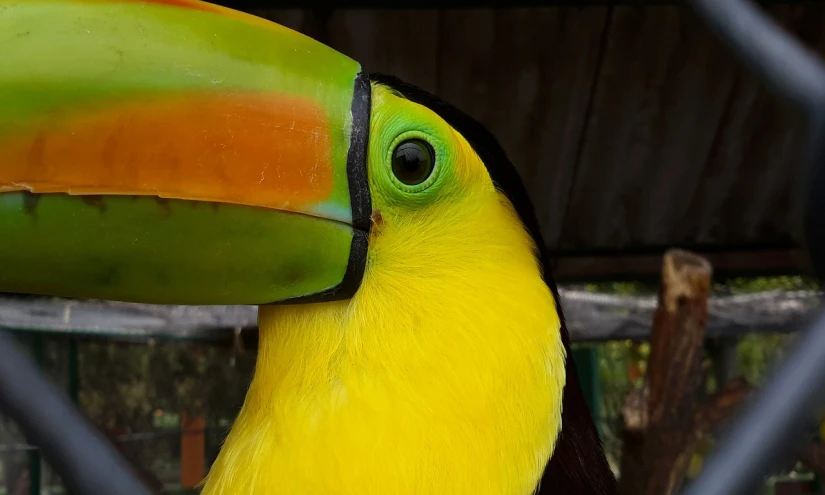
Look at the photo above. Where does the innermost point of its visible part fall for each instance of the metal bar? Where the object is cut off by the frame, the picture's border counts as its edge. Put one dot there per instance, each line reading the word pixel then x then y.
pixel 78 452
pixel 767 50
pixel 774 422
pixel 35 464
pixel 15 448
pixel 74 372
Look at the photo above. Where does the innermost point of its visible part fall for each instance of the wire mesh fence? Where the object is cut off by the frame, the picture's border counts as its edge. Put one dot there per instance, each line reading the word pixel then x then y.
pixel 138 395
pixel 144 395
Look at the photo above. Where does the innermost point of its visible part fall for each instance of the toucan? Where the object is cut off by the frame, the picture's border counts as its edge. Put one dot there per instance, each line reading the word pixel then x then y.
pixel 411 337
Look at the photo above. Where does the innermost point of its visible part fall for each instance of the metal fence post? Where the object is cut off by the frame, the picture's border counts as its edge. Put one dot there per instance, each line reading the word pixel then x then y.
pixel 777 416
pixel 587 366
pixel 35 465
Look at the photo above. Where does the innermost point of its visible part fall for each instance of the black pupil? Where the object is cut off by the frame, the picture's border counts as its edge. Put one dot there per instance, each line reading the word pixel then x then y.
pixel 413 161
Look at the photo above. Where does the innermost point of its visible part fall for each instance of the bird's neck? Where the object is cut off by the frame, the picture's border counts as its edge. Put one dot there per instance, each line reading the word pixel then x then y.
pixel 417 385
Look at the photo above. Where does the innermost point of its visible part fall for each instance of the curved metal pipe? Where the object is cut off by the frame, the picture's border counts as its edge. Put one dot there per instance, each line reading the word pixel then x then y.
pixel 774 421
pixel 85 460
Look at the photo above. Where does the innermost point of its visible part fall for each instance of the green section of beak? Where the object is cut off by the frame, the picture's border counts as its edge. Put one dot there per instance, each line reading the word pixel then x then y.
pixel 141 249
pixel 175 152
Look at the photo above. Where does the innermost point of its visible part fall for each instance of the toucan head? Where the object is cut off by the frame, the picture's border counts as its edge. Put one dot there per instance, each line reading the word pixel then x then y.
pixel 176 152
pixel 179 152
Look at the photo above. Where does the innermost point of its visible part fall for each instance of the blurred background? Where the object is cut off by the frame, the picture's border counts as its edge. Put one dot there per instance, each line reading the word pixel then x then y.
pixel 634 130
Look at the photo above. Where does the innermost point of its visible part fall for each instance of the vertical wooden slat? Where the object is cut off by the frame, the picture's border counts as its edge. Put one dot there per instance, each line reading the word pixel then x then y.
pixel 749 190
pixel 527 75
pixel 661 91
pixel 709 216
pixel 192 450
pixel 403 43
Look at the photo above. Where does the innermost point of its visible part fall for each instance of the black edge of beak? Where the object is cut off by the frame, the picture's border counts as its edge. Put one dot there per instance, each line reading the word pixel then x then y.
pixel 359 188
pixel 360 201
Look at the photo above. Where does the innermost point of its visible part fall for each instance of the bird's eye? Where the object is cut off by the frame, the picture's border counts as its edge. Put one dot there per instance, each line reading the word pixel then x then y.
pixel 413 161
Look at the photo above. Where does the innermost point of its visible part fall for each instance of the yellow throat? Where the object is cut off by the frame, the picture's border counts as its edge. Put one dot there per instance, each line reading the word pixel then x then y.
pixel 444 374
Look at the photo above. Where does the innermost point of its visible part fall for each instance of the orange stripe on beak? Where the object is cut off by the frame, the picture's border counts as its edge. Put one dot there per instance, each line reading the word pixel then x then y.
pixel 187 4
pixel 255 150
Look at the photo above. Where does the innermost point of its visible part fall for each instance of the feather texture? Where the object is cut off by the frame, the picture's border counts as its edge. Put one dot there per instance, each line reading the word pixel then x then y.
pixel 443 375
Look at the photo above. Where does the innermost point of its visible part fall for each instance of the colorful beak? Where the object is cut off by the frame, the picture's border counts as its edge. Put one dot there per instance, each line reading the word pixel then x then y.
pixel 176 152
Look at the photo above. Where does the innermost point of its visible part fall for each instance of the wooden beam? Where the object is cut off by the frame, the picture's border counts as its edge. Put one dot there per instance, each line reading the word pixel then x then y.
pixel 217 324
pixel 590 317
pixel 601 317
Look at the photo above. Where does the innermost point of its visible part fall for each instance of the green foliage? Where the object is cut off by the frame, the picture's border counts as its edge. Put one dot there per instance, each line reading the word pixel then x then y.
pixel 739 285
pixel 748 285
pixel 758 354
pixel 622 288
pixel 126 384
pixel 144 387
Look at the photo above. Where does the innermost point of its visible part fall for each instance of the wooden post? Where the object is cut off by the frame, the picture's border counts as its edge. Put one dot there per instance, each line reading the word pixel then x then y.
pixel 722 352
pixel 631 468
pixel 664 422
pixel 192 450
pixel 674 370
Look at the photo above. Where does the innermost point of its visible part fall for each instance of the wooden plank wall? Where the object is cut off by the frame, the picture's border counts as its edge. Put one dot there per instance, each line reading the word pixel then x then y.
pixel 633 128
